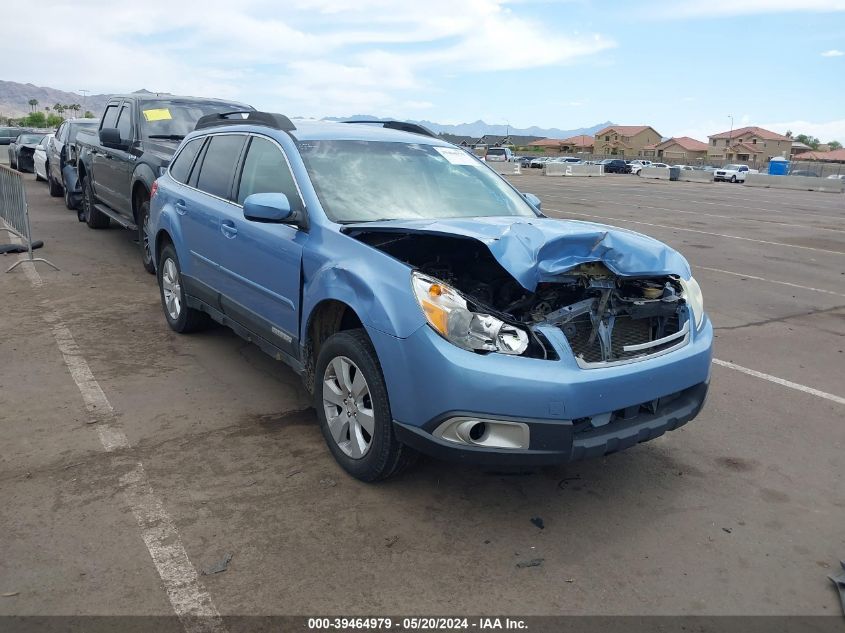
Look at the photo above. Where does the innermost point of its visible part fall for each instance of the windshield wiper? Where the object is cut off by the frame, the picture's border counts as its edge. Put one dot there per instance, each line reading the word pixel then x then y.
pixel 169 137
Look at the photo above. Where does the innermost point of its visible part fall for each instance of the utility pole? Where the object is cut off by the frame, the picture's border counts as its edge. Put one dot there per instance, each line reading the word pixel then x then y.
pixel 84 98
pixel 730 134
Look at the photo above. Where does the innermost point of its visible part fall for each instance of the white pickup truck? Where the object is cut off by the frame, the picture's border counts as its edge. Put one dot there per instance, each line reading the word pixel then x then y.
pixel 733 173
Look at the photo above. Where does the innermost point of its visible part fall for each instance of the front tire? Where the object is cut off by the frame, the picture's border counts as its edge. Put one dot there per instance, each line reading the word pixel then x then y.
pixel 733 178
pixel 90 215
pixel 350 397
pixel 38 177
pixel 144 241
pixel 69 202
pixel 179 316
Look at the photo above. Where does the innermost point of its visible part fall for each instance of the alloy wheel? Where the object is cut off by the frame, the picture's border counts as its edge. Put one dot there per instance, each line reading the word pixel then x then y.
pixel 171 287
pixel 348 406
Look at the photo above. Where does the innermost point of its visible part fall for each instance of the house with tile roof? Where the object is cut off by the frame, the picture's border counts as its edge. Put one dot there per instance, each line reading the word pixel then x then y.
pixel 580 144
pixel 625 140
pixel 754 145
pixel 678 149
pixel 835 156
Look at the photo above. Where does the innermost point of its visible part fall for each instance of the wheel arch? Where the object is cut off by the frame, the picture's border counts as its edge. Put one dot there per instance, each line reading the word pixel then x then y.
pixel 328 317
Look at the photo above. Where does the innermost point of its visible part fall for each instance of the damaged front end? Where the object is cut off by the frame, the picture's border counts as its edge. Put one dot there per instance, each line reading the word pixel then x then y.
pixel 472 301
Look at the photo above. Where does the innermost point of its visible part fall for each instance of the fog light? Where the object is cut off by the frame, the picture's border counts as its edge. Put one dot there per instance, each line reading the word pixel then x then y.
pixel 471 431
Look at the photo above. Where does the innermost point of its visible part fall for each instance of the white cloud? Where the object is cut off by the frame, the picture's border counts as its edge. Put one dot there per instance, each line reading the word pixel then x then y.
pixel 826 131
pixel 833 52
pixel 315 56
pixel 725 8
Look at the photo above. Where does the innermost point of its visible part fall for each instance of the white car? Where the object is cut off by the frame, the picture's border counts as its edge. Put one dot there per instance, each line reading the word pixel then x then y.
pixel 39 158
pixel 733 173
pixel 662 165
pixel 836 177
pixel 499 155
pixel 637 165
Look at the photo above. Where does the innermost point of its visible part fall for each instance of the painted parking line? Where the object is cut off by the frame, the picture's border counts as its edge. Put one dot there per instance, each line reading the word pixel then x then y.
pixel 679 228
pixel 191 602
pixel 771 281
pixel 780 381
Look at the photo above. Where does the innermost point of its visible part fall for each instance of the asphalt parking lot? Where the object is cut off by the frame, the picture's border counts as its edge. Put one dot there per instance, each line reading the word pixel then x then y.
pixel 739 512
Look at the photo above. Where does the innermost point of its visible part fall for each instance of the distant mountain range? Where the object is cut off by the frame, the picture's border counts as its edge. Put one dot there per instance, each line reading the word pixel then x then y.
pixel 14 99
pixel 480 128
pixel 14 102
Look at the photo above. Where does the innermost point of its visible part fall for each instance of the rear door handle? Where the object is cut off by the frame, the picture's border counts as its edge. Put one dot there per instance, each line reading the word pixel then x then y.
pixel 228 228
pixel 181 207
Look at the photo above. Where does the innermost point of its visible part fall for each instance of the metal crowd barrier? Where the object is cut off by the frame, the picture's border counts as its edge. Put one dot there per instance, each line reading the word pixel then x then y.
pixel 15 213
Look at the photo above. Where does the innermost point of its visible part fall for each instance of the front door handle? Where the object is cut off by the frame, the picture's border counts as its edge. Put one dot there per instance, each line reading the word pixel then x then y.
pixel 181 207
pixel 228 228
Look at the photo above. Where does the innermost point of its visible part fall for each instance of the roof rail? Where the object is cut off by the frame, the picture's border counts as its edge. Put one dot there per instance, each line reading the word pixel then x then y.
pixel 246 117
pixel 404 126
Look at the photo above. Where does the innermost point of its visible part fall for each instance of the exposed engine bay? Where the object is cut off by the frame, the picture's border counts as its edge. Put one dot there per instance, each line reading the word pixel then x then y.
pixel 605 317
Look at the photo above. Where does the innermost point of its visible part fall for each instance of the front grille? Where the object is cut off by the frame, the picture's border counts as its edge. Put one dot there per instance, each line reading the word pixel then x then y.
pixel 626 331
pixel 608 422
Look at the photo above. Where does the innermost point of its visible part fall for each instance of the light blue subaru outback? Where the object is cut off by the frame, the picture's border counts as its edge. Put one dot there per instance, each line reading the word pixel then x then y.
pixel 428 305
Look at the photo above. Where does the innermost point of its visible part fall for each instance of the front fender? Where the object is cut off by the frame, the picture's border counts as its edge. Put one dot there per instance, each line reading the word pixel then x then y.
pixel 377 287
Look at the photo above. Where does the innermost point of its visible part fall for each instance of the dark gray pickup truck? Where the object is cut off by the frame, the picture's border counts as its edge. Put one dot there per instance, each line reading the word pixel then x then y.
pixel 120 159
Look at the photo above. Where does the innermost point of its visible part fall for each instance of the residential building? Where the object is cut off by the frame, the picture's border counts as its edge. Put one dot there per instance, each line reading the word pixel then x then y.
pixel 625 140
pixel 836 156
pixel 799 148
pixel 753 145
pixel 495 140
pixel 678 149
pixel 581 144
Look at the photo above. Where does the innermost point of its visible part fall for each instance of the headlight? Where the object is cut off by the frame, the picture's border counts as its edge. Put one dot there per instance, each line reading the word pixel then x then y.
pixel 694 298
pixel 453 318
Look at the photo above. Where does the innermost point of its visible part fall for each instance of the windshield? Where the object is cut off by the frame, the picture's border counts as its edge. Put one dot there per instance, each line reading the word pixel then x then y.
pixel 75 128
pixel 29 138
pixel 364 181
pixel 734 167
pixel 174 119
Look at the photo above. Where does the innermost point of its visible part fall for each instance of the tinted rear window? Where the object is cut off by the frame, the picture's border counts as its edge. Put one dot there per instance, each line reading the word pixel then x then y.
pixel 496 152
pixel 75 128
pixel 218 166
pixel 181 167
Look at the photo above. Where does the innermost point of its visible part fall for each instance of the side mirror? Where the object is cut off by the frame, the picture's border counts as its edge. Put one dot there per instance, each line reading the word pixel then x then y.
pixel 533 200
pixel 268 207
pixel 110 137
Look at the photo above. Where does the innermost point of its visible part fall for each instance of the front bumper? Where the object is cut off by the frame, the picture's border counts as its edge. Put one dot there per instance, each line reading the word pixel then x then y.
pixel 557 442
pixel 430 380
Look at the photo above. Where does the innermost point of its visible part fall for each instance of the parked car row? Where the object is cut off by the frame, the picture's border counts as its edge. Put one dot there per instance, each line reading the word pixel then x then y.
pixel 415 315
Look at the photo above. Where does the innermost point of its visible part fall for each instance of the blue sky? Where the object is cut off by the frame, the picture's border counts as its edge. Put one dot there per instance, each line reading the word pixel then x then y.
pixel 679 65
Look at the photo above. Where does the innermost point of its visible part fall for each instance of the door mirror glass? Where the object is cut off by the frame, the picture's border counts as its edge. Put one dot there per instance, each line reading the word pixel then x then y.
pixel 532 200
pixel 267 207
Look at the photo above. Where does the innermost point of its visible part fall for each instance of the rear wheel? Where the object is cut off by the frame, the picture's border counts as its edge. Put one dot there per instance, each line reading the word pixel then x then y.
pixel 90 215
pixel 179 316
pixel 38 177
pixel 55 188
pixel 144 237
pixel 350 396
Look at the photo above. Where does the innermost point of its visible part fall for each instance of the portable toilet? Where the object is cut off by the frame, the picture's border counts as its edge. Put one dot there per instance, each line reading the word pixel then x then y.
pixel 778 166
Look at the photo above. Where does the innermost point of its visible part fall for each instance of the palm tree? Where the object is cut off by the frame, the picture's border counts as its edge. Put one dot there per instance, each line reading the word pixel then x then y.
pixel 32 104
pixel 58 108
pixel 76 108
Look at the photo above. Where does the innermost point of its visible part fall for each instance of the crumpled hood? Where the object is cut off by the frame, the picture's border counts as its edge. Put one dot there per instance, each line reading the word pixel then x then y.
pixel 536 250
